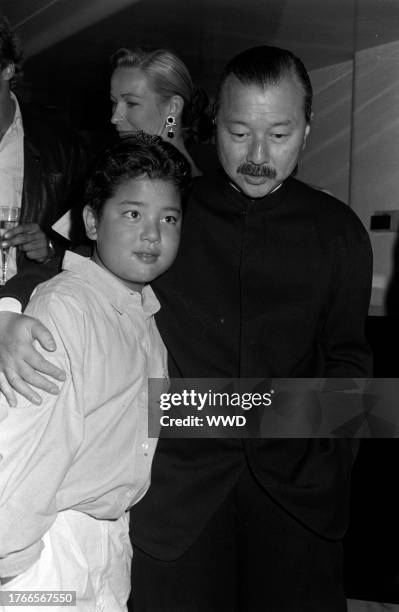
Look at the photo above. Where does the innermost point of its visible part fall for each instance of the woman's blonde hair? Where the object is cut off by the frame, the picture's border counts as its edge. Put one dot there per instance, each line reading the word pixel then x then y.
pixel 168 76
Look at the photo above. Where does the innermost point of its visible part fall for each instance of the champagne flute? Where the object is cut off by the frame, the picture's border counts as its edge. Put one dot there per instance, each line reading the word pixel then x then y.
pixel 9 216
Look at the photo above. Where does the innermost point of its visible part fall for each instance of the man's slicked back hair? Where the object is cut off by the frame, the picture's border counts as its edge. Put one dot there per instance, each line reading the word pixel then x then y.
pixel 266 66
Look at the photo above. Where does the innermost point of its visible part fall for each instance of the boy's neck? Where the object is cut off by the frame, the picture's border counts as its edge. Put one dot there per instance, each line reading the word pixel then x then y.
pixel 137 287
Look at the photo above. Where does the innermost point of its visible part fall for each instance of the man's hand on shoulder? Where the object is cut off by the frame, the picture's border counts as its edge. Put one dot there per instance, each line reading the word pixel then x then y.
pixel 21 365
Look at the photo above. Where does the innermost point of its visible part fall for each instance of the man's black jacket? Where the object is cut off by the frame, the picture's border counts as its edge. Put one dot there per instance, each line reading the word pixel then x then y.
pixel 275 287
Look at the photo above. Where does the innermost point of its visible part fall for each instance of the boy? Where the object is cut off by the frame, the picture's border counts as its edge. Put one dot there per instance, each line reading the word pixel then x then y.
pixel 68 476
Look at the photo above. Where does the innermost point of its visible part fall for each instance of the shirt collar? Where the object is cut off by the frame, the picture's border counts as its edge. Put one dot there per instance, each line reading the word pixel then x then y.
pixel 119 295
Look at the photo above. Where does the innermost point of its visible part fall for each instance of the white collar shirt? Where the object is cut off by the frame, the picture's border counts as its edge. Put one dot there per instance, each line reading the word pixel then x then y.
pixel 86 449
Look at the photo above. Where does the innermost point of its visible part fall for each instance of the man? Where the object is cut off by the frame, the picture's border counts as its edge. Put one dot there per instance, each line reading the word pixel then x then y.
pixel 41 165
pixel 272 280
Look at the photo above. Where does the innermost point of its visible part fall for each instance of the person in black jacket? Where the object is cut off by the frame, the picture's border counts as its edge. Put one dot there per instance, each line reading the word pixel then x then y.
pixel 273 279
pixel 42 162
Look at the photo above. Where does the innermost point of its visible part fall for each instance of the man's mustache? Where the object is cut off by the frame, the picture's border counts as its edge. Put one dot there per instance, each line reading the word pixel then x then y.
pixel 254 170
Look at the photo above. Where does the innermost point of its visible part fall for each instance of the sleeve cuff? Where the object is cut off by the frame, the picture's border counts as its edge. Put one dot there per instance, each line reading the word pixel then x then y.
pixel 11 305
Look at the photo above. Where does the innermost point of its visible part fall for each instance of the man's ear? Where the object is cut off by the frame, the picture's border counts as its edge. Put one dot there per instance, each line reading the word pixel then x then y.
pixel 8 72
pixel 90 220
pixel 307 131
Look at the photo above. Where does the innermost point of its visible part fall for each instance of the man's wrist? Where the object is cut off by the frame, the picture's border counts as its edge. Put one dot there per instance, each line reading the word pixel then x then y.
pixel 51 254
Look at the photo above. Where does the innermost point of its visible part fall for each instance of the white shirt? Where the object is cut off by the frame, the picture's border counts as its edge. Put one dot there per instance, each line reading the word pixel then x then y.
pixel 12 172
pixel 86 449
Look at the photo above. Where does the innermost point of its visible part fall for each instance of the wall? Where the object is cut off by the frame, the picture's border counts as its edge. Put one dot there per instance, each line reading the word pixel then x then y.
pixel 326 159
pixel 375 155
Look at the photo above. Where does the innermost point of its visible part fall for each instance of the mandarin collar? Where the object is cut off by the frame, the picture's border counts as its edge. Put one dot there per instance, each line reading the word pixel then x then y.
pixel 268 201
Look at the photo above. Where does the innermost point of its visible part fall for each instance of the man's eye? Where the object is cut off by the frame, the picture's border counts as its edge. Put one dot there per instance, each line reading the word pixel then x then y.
pixel 279 136
pixel 239 135
pixel 131 104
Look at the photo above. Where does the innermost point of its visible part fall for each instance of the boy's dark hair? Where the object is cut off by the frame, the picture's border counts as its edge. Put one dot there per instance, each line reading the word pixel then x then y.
pixel 10 50
pixel 264 66
pixel 136 156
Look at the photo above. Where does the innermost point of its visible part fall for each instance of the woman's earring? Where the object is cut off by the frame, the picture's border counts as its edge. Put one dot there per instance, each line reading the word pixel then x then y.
pixel 170 123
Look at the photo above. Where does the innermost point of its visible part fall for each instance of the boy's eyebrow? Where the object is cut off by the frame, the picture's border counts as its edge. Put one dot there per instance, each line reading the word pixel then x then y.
pixel 142 204
pixel 135 202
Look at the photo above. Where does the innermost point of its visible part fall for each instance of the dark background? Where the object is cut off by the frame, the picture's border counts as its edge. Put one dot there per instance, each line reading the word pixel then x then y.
pixel 68 42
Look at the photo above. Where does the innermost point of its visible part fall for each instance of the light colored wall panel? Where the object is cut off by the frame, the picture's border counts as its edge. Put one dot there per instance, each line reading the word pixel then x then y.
pixel 375 154
pixel 326 159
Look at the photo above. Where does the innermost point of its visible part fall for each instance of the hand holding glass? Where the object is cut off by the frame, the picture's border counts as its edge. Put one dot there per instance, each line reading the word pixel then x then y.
pixel 9 216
